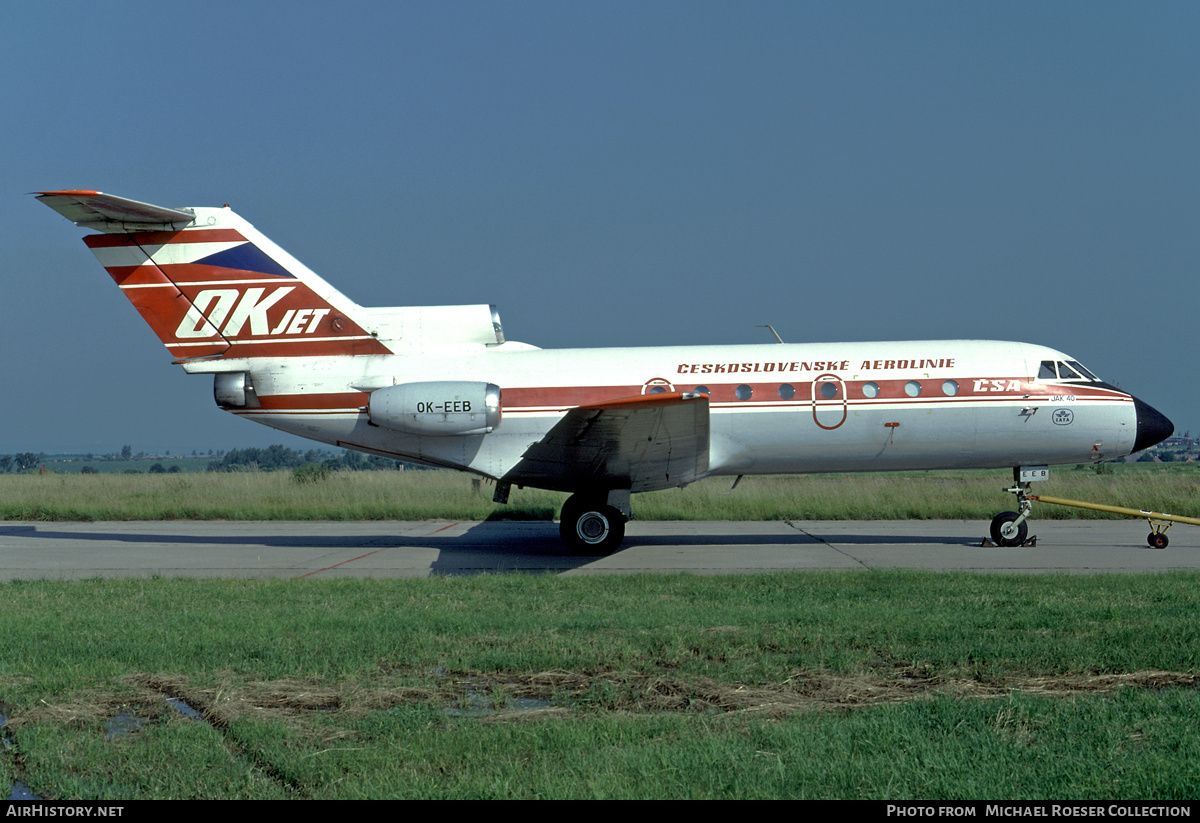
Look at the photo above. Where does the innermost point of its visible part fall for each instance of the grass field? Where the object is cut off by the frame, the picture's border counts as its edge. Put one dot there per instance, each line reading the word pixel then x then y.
pixel 886 685
pixel 872 684
pixel 421 495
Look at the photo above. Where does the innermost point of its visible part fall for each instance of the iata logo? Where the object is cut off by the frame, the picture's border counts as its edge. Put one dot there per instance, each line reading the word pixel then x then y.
pixel 1063 417
pixel 226 311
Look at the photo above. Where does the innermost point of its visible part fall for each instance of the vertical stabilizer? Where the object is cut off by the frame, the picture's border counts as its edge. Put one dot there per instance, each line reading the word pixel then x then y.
pixel 211 285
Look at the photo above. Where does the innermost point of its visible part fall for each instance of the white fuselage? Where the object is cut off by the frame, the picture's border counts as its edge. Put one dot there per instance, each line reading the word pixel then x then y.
pixel 773 408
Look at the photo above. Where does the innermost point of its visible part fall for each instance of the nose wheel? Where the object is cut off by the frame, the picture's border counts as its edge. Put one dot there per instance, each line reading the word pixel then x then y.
pixel 1009 529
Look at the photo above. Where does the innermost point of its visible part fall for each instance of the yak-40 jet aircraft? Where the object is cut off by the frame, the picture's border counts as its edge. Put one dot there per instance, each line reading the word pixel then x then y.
pixel 441 386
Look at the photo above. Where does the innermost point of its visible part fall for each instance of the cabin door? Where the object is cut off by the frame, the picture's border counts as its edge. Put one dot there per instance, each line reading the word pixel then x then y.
pixel 829 401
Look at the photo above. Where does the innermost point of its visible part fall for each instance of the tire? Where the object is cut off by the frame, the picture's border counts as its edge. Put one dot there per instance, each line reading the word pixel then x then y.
pixel 1157 540
pixel 1004 533
pixel 590 528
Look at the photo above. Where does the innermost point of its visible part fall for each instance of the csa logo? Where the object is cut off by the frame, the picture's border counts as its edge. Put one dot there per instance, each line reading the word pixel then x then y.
pixel 1063 417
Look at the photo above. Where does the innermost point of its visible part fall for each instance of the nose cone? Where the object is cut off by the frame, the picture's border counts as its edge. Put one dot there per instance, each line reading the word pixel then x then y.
pixel 1152 426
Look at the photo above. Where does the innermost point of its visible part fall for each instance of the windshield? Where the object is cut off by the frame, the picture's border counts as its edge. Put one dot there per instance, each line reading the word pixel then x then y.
pixel 1066 370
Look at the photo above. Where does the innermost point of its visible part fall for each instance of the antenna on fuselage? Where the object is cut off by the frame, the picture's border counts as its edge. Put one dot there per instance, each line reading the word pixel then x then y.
pixel 772 328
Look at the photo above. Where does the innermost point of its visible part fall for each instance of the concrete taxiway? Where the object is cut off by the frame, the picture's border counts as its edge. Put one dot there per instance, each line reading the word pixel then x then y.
pixel 75 551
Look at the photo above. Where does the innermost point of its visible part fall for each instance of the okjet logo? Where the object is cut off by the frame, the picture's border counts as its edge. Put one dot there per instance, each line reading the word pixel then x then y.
pixel 228 310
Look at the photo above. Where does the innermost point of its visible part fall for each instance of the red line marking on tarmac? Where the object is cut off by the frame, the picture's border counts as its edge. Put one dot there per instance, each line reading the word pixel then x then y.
pixel 368 554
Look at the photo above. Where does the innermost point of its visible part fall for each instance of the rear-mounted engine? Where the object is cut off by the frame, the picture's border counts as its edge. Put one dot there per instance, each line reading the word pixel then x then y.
pixel 447 407
pixel 233 390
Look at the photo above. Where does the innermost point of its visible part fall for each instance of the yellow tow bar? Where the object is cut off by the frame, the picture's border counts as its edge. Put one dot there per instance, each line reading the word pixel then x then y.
pixel 1159 522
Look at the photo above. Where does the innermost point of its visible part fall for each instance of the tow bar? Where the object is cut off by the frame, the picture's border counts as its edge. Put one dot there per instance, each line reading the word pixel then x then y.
pixel 1159 522
pixel 1012 528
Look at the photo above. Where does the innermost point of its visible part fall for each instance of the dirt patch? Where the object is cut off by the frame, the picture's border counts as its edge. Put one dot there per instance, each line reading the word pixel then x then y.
pixel 275 698
pixel 565 692
pixel 804 691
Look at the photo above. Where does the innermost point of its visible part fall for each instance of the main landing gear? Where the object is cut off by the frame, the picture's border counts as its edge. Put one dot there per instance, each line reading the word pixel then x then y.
pixel 594 524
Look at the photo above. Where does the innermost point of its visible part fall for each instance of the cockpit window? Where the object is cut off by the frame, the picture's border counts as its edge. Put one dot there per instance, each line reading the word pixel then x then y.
pixel 1087 374
pixel 1065 370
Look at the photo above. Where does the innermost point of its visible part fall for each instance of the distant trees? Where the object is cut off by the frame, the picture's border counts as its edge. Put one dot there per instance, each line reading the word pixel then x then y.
pixel 25 461
pixel 278 457
pixel 252 459
pixel 271 458
pixel 20 462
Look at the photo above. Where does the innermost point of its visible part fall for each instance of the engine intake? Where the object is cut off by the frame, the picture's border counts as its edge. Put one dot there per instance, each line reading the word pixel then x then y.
pixel 438 408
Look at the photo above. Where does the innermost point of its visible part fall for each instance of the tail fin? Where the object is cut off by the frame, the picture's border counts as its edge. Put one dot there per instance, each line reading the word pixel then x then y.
pixel 211 285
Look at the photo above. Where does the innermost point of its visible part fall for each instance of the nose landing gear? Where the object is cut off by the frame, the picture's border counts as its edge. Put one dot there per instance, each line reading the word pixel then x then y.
pixel 1011 528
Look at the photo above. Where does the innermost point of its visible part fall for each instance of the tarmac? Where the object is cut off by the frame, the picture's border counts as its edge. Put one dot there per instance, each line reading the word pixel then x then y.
pixel 78 551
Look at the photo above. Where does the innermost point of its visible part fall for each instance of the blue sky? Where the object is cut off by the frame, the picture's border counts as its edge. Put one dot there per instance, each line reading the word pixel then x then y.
pixel 612 173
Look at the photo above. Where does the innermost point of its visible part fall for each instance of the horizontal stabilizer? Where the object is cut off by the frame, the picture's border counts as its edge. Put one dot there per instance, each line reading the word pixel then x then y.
pixel 107 212
pixel 643 443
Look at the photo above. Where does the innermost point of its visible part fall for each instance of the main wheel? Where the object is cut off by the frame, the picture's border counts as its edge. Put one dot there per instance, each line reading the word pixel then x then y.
pixel 1157 540
pixel 591 528
pixel 1006 532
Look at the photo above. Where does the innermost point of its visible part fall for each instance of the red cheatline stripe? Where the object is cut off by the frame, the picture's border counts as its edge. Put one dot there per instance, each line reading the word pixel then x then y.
pixel 891 391
pixel 338 400
pixel 160 238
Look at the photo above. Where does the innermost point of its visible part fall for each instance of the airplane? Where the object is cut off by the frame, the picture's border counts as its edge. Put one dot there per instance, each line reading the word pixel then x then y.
pixel 442 386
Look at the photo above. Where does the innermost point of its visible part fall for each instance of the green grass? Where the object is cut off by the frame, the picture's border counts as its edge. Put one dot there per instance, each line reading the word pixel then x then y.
pixel 827 685
pixel 422 495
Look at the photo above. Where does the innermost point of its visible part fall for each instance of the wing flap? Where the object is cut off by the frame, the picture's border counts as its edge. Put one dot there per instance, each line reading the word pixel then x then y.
pixel 643 443
pixel 109 213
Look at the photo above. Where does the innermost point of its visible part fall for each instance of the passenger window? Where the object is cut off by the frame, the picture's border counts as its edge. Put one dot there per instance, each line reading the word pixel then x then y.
pixel 787 391
pixel 829 390
pixel 702 390
pixel 912 388
pixel 950 388
pixel 870 389
pixel 744 392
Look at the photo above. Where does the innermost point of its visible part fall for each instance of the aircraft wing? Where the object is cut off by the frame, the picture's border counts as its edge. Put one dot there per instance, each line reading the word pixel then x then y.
pixel 643 443
pixel 107 212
